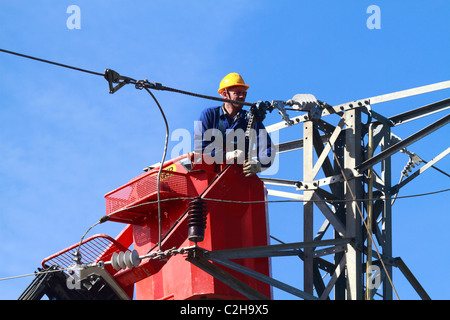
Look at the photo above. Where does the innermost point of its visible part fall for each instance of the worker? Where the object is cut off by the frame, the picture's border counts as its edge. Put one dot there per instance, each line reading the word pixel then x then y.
pixel 220 131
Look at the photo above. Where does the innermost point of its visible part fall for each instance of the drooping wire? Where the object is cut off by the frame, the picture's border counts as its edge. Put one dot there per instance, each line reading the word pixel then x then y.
pixel 285 201
pixel 158 179
pixel 76 254
pixel 229 201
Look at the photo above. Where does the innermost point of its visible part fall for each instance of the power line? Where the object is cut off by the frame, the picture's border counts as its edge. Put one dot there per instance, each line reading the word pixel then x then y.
pixel 52 62
pixel 126 80
pixel 104 219
pixel 282 201
pixel 158 179
pixel 33 274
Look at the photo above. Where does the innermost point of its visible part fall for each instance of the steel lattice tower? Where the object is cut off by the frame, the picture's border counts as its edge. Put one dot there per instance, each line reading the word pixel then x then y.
pixel 352 197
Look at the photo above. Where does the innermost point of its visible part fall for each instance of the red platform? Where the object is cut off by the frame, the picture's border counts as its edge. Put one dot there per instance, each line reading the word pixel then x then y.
pixel 232 222
pixel 229 225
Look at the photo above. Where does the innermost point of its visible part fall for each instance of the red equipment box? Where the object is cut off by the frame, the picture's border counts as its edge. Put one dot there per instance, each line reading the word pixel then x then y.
pixel 232 222
pixel 236 218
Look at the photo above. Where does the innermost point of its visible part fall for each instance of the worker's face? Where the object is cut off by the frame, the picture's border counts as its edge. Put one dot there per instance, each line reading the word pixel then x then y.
pixel 237 93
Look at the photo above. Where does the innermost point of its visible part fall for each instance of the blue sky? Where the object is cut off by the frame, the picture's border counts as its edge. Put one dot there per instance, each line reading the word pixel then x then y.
pixel 66 141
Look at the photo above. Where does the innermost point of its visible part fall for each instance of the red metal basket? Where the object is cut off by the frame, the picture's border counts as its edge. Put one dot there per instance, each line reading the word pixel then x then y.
pixel 142 188
pixel 173 182
pixel 97 248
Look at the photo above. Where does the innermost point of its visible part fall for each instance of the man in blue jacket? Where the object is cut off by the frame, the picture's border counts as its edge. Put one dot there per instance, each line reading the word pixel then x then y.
pixel 220 131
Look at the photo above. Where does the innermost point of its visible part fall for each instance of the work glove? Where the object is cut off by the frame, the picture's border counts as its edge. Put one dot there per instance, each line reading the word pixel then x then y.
pixel 236 155
pixel 251 167
pixel 304 102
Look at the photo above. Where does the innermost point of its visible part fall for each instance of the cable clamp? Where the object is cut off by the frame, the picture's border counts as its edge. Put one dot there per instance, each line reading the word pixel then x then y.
pixel 282 111
pixel 141 84
pixel 113 77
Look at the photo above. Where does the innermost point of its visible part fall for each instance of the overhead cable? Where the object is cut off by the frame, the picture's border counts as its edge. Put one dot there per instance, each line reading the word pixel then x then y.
pixel 33 274
pixel 52 62
pixel 283 201
pixel 126 80
pixel 158 179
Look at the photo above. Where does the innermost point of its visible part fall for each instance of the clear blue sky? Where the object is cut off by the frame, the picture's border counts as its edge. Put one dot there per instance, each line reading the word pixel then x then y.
pixel 65 141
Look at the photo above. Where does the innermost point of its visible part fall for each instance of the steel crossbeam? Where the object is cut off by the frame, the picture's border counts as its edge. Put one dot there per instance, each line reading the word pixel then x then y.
pixel 337 152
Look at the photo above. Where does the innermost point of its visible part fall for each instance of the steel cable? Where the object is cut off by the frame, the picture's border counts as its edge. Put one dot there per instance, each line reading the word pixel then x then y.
pixel 144 84
pixel 52 62
pixel 158 179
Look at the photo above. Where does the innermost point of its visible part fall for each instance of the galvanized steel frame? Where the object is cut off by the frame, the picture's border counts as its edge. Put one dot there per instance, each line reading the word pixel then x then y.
pixel 339 152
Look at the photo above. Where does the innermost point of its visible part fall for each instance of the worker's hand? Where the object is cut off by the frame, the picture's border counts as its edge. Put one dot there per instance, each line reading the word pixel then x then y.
pixel 236 155
pixel 304 102
pixel 251 167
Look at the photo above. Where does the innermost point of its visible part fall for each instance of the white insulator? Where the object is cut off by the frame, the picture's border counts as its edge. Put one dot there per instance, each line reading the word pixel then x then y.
pixel 123 260
pixel 127 259
pixel 132 259
pixel 114 261
pixel 303 102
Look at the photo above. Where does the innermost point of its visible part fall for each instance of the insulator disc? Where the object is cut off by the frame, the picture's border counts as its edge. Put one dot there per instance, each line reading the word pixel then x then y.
pixel 121 260
pixel 135 260
pixel 114 261
pixel 127 259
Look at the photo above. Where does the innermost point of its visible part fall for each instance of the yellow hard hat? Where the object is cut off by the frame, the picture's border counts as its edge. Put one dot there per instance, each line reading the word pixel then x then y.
pixel 230 80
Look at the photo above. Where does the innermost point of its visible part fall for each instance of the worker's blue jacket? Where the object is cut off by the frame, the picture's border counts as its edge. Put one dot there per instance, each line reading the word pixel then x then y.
pixel 214 123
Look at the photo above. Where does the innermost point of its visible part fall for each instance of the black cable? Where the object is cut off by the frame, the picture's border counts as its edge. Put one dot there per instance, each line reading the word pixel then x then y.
pixel 436 168
pixel 204 96
pixel 52 62
pixel 144 84
pixel 285 201
pixel 158 179
pixel 333 201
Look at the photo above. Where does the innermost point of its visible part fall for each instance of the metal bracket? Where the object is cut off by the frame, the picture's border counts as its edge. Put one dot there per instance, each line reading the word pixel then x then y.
pixel 113 77
pixel 282 111
pixel 312 185
pixel 329 250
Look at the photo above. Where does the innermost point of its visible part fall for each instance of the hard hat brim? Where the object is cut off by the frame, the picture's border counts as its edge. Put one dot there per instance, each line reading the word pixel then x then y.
pixel 235 85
